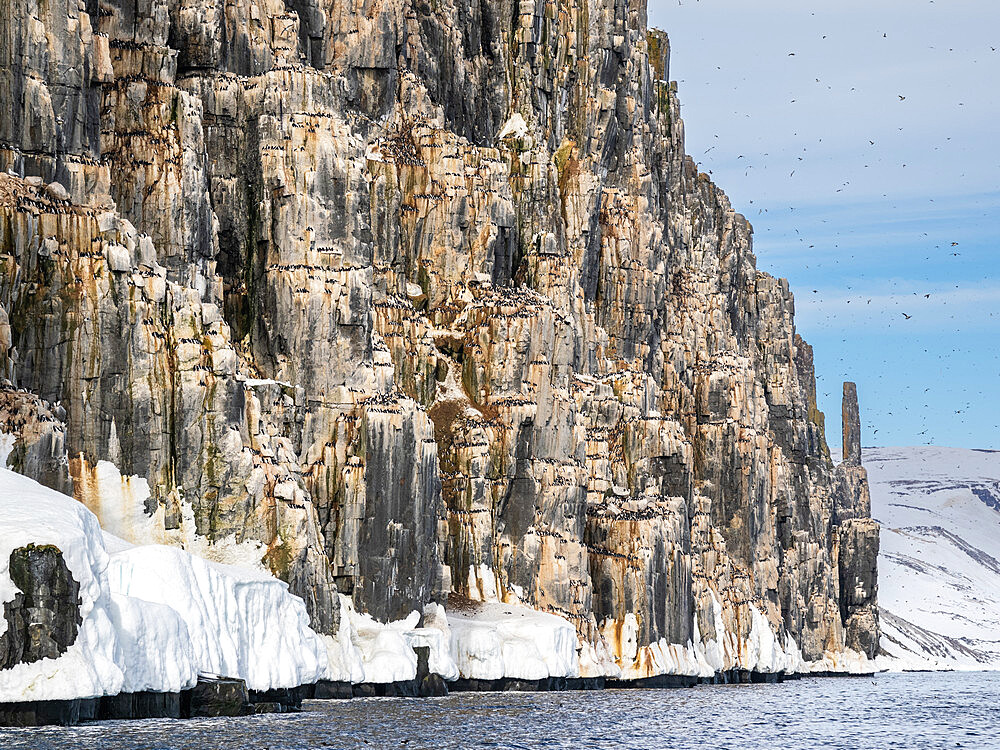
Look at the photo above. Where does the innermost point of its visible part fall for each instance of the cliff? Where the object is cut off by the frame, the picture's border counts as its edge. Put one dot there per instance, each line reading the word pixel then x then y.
pixel 425 302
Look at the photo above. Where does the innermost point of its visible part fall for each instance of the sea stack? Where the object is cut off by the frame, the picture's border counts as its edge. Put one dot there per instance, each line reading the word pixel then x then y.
pixel 858 539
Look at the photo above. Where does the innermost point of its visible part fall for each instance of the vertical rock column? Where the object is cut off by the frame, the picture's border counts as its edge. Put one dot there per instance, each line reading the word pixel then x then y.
pixel 852 426
pixel 854 500
pixel 858 539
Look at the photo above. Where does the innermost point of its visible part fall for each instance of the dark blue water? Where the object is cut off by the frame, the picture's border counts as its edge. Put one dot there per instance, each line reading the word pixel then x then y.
pixel 888 711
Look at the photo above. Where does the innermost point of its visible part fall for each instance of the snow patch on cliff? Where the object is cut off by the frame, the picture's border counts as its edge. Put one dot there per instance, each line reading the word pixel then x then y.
pixel 515 127
pixel 33 514
pixel 120 503
pixel 490 640
pixel 153 617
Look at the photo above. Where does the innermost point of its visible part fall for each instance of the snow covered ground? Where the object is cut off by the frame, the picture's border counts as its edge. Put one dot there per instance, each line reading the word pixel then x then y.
pixel 939 562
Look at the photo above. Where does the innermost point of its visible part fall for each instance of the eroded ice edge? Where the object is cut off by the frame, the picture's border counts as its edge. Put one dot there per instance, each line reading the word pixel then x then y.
pixel 161 607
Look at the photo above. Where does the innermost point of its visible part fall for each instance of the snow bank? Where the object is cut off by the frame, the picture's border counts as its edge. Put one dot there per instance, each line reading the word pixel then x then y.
pixel 847 661
pixel 762 650
pixel 345 662
pixel 33 514
pixel 490 640
pixel 436 636
pixel 366 650
pixel 154 640
pixel 385 652
pixel 765 652
pixel 240 623
pixel 658 658
pixel 596 660
pixel 153 617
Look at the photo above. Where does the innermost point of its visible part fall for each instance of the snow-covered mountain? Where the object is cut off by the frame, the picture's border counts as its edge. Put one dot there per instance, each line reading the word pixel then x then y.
pixel 939 563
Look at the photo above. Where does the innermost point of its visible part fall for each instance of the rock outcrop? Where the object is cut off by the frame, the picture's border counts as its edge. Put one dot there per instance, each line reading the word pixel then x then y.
pixel 859 538
pixel 44 615
pixel 425 298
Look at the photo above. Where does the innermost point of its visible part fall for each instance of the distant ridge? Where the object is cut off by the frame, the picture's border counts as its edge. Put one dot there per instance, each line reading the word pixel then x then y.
pixel 939 563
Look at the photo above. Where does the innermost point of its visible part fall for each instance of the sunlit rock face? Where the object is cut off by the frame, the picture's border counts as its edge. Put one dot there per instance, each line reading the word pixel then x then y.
pixel 426 298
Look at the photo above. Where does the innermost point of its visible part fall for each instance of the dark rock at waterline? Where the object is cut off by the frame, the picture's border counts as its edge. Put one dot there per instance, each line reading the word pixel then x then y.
pixel 429 685
pixel 43 713
pixel 364 690
pixel 401 689
pixel 433 686
pixel 218 696
pixel 44 616
pixel 658 681
pixel 331 690
pixel 585 683
pixel 290 699
pixel 511 685
pixel 463 685
pixel 269 707
pixel 143 705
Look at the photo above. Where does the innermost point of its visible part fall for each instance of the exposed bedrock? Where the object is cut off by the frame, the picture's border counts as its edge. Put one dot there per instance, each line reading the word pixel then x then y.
pixel 43 617
pixel 858 538
pixel 424 298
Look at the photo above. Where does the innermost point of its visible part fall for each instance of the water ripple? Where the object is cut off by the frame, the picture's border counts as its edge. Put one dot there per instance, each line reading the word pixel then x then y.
pixel 892 711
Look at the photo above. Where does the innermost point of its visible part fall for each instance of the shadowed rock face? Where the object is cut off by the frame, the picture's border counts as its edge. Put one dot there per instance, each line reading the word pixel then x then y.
pixel 852 426
pixel 859 538
pixel 424 297
pixel 44 616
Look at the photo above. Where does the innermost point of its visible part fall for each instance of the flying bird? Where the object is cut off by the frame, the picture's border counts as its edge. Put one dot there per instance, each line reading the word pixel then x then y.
pixel 901 97
pixel 907 316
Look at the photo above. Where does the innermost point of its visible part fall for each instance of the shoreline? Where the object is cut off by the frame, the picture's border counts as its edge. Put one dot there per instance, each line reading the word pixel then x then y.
pixel 215 697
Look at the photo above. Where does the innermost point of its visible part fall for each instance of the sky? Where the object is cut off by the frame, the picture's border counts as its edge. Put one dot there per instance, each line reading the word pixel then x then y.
pixel 862 141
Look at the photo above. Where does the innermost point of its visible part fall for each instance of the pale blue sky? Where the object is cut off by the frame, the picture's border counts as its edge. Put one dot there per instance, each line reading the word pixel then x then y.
pixel 862 139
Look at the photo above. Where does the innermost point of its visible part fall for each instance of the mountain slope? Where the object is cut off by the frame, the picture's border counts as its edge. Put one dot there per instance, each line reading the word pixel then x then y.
pixel 939 562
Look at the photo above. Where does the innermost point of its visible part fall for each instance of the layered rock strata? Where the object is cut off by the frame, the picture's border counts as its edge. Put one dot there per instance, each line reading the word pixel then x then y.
pixel 428 300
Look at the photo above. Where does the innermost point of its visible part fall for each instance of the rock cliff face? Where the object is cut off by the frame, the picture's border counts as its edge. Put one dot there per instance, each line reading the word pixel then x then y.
pixel 43 618
pixel 427 299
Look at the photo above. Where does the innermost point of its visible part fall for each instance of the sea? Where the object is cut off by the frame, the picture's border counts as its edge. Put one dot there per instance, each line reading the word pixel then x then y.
pixel 913 710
